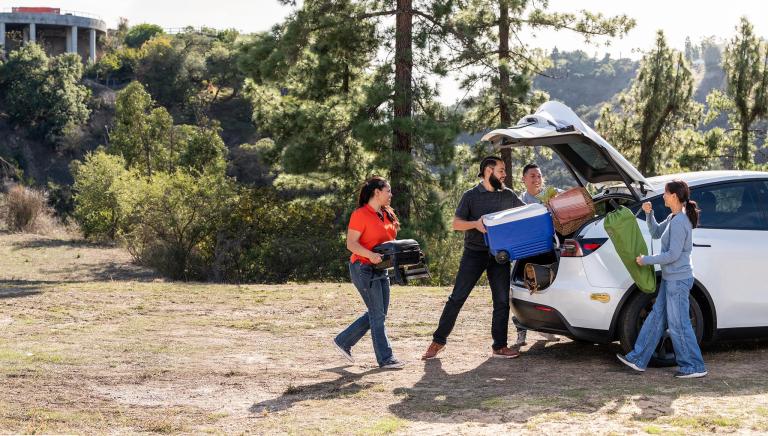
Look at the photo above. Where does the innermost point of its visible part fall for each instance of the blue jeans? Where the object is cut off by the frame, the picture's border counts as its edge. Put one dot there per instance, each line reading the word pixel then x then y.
pixel 670 309
pixel 373 286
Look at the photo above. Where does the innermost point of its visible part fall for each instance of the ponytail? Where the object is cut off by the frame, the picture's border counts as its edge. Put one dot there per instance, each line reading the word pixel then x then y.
pixel 692 211
pixel 683 193
pixel 391 216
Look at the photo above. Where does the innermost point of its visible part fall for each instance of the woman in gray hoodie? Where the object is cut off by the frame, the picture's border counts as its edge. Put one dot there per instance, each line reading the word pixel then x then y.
pixel 671 307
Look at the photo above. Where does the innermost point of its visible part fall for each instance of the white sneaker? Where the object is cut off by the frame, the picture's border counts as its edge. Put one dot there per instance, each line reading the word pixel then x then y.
pixel 628 363
pixel 393 364
pixel 347 355
pixel 691 375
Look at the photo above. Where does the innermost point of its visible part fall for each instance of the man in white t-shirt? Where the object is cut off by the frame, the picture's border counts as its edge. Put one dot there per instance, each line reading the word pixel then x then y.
pixel 534 185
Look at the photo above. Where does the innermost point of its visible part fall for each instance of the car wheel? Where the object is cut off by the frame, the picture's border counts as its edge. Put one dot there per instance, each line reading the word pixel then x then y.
pixel 633 316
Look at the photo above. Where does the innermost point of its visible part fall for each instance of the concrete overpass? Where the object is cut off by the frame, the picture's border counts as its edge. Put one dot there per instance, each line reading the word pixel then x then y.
pixel 57 31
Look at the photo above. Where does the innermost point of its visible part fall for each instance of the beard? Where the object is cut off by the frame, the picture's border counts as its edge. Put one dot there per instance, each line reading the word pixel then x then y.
pixel 495 182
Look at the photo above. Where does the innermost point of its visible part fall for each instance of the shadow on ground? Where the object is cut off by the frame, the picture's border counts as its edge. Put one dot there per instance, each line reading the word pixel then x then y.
pixel 104 272
pixel 20 288
pixel 347 384
pixel 56 243
pixel 569 377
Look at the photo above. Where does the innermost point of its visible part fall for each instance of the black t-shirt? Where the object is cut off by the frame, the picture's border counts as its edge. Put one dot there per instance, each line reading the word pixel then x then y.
pixel 477 202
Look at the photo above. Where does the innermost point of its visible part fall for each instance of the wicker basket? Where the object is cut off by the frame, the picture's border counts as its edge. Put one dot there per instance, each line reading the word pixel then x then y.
pixel 571 209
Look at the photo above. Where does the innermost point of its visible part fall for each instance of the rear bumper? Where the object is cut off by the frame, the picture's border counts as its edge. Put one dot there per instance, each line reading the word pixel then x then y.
pixel 543 318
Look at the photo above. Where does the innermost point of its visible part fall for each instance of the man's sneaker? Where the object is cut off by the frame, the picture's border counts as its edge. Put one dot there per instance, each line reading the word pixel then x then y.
pixel 393 364
pixel 432 351
pixel 505 353
pixel 521 334
pixel 347 355
pixel 624 360
pixel 679 374
pixel 549 337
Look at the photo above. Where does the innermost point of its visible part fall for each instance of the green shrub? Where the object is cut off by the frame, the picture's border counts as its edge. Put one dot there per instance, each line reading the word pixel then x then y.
pixel 272 240
pixel 43 93
pixel 141 33
pixel 172 220
pixel 99 180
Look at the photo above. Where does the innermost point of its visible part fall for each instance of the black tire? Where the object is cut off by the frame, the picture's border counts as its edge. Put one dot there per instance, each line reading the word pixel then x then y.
pixel 632 317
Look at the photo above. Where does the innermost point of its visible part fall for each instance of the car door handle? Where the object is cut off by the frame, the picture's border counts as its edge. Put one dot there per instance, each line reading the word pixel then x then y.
pixel 701 245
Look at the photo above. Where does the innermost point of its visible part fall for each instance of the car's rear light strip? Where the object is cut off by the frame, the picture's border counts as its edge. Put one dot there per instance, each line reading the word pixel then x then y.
pixel 580 247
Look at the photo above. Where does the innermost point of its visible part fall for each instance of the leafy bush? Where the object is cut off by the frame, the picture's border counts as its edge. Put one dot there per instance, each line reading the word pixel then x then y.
pixel 99 180
pixel 141 33
pixel 44 93
pixel 271 240
pixel 23 208
pixel 172 219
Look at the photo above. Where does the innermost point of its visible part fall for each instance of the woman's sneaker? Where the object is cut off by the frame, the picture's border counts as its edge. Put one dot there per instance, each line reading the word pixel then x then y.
pixel 393 364
pixel 347 355
pixel 632 365
pixel 679 374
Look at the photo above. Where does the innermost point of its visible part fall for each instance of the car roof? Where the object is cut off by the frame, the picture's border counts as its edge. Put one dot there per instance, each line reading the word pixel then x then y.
pixel 703 177
pixel 700 177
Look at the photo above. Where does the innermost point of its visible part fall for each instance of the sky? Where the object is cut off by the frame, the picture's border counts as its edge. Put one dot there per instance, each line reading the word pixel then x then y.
pixel 677 18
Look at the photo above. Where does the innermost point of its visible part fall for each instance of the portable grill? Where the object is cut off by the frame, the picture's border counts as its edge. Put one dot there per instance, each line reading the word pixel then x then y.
pixel 405 257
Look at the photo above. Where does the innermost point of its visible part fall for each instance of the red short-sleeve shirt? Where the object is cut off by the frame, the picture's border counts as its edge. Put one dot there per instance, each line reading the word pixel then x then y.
pixel 373 230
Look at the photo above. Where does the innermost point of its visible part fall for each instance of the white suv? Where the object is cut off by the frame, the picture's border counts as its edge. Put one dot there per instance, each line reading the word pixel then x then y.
pixel 592 297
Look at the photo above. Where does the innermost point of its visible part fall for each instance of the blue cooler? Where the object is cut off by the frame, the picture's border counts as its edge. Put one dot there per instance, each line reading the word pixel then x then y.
pixel 518 233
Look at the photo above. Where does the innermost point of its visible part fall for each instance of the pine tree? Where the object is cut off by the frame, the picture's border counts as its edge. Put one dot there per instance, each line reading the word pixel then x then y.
pixel 323 65
pixel 492 56
pixel 646 122
pixel 746 67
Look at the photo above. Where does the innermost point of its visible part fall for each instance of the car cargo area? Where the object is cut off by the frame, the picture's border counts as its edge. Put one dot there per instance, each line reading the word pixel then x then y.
pixel 604 204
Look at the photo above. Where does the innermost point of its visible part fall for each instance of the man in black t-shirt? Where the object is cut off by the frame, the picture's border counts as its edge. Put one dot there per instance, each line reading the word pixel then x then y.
pixel 489 196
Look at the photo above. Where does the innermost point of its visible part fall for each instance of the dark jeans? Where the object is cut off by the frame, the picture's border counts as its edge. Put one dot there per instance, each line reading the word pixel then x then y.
pixel 472 265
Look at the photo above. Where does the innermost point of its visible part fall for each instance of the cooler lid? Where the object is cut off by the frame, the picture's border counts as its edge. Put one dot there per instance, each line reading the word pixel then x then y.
pixel 515 214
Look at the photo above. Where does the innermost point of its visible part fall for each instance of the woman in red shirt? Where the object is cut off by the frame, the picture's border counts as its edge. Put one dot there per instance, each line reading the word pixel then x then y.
pixel 372 223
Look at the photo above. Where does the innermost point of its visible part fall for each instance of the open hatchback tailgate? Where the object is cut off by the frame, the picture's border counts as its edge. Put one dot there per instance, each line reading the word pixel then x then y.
pixel 590 157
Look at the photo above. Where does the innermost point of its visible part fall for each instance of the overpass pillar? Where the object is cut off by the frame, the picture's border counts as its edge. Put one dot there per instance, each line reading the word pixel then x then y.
pixel 73 39
pixel 92 48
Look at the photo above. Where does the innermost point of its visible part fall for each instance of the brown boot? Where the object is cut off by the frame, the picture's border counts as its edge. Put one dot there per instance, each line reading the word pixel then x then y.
pixel 432 351
pixel 506 353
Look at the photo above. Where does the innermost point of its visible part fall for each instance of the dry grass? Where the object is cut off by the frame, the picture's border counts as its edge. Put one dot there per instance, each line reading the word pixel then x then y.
pixel 22 208
pixel 92 344
pixel 26 210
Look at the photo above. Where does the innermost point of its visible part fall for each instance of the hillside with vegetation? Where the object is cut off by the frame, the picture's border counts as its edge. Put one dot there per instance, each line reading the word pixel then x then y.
pixel 215 155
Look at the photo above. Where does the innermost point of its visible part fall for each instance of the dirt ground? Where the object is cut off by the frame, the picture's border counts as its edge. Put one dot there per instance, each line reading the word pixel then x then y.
pixel 92 344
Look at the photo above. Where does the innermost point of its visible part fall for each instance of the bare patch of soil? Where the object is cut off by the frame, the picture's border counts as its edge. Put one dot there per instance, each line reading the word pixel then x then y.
pixel 94 344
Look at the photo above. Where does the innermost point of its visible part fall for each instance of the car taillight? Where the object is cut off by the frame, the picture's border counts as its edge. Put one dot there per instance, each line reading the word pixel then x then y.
pixel 580 247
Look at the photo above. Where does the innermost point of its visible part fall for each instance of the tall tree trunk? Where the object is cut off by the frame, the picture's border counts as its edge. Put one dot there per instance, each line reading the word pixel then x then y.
pixel 505 116
pixel 744 158
pixel 401 173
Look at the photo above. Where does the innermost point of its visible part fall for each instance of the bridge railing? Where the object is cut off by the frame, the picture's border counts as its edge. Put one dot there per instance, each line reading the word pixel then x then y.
pixel 7 10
